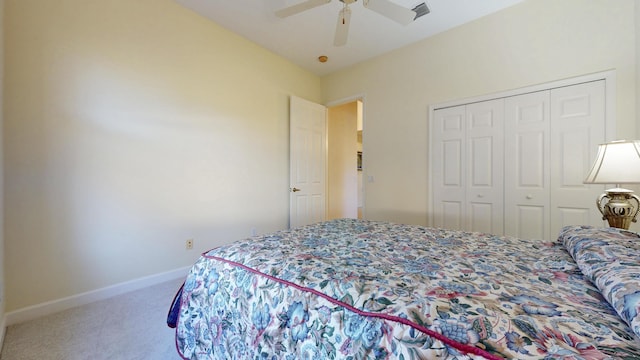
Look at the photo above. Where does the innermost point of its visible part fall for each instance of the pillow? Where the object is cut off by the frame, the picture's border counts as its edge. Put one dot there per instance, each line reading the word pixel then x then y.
pixel 610 258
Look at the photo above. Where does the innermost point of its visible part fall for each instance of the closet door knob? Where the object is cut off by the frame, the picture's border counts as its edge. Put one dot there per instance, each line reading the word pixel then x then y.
pixel 529 196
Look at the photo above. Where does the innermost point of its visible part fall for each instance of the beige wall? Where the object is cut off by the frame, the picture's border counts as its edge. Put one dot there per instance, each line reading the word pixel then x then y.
pixel 131 126
pixel 534 42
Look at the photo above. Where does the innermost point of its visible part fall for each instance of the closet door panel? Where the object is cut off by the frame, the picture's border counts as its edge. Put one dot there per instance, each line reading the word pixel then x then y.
pixel 485 179
pixel 530 160
pixel 481 151
pixel 577 127
pixel 452 163
pixel 530 222
pixel 527 165
pixel 450 215
pixel 481 216
pixel 448 178
pixel 571 215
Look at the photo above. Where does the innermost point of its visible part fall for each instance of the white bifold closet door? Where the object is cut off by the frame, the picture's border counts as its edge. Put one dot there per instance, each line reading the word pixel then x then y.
pixel 515 165
pixel 448 162
pixel 468 167
pixel 527 170
pixel 552 139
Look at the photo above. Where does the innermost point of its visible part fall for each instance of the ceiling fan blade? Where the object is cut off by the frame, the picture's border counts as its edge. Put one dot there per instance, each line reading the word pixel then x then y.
pixel 391 10
pixel 298 8
pixel 342 27
pixel 421 10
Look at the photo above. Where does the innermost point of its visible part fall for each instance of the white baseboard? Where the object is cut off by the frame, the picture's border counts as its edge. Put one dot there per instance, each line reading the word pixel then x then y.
pixel 52 307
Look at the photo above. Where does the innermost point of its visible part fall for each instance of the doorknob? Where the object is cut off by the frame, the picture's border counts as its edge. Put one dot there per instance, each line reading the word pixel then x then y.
pixel 295 189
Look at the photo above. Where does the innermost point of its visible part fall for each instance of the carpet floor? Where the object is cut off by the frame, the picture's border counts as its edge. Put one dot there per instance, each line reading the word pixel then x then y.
pixel 131 326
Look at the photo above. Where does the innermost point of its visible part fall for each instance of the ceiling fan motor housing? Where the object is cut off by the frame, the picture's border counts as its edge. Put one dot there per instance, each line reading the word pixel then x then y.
pixel 348 1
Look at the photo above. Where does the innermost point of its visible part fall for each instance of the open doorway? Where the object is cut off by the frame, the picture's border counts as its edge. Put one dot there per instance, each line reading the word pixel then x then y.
pixel 345 193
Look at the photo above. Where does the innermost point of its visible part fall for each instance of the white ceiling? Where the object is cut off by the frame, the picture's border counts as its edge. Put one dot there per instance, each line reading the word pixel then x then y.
pixel 303 37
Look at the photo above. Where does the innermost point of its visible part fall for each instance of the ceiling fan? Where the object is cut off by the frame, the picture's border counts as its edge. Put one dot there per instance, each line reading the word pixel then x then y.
pixel 385 8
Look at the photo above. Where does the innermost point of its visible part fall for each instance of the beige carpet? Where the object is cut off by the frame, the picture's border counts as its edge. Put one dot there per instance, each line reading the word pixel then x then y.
pixel 128 327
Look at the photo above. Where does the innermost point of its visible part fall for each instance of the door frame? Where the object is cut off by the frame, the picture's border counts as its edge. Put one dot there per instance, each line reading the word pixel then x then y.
pixel 609 78
pixel 361 97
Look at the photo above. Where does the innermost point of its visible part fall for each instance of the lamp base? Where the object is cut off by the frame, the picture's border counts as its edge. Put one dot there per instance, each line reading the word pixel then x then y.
pixel 619 211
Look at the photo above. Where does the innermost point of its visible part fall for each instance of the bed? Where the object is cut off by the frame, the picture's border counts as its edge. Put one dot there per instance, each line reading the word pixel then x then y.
pixel 358 289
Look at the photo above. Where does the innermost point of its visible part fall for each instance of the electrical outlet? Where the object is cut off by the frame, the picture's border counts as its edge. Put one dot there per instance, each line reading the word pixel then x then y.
pixel 189 244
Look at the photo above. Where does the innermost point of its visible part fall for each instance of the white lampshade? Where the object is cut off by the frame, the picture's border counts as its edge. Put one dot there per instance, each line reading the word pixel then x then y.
pixel 617 162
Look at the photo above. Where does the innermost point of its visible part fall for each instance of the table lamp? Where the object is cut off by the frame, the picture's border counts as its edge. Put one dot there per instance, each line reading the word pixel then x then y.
pixel 617 162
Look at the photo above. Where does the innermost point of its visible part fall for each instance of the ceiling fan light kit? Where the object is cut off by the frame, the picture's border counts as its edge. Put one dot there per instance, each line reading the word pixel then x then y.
pixel 385 8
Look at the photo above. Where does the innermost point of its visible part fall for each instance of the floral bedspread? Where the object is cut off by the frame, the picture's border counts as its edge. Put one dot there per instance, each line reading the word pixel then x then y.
pixel 357 289
pixel 610 258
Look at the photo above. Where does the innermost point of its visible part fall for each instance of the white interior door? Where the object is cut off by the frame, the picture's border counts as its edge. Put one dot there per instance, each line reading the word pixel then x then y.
pixel 448 157
pixel 485 162
pixel 527 165
pixel 308 162
pixel 576 129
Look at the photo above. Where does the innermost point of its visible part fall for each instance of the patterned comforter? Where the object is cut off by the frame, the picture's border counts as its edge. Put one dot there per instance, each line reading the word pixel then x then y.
pixel 356 289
